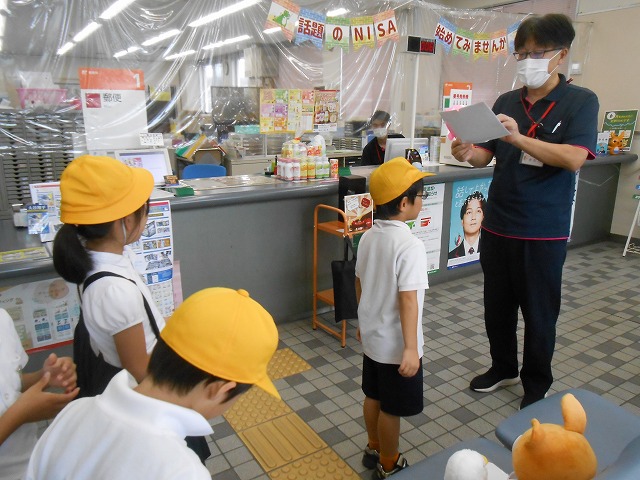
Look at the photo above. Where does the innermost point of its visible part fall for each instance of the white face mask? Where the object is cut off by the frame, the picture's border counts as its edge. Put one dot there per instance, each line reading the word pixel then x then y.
pixel 534 72
pixel 380 132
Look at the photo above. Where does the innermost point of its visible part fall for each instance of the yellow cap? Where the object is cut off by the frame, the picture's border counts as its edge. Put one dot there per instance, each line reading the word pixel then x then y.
pixel 392 179
pixel 98 189
pixel 226 333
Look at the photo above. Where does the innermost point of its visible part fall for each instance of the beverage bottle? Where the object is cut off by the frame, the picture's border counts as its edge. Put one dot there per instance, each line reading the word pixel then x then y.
pixel 295 169
pixel 304 167
pixel 311 168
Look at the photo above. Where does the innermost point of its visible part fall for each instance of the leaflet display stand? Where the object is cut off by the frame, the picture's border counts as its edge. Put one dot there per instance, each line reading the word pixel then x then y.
pixel 337 228
pixel 630 247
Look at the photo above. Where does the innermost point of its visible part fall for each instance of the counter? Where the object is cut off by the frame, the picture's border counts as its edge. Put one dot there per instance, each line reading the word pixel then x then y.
pixel 261 237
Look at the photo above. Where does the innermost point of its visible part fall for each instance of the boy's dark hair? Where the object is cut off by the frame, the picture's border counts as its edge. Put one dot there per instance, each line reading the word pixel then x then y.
pixel 390 209
pixel 380 115
pixel 70 257
pixel 170 370
pixel 474 196
pixel 551 30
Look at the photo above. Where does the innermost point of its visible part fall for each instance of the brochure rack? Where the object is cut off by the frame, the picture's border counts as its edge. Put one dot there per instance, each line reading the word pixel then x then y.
pixel 337 228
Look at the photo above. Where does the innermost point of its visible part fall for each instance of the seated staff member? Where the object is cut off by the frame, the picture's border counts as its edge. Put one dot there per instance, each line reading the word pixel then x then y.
pixel 552 128
pixel 373 153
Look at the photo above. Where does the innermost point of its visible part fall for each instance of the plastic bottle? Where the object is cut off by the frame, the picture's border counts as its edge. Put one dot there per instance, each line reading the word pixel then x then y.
pixel 288 169
pixel 304 167
pixel 319 168
pixel 274 166
pixel 295 169
pixel 311 168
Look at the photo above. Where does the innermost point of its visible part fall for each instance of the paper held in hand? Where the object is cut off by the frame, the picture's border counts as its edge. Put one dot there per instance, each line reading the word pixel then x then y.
pixel 473 124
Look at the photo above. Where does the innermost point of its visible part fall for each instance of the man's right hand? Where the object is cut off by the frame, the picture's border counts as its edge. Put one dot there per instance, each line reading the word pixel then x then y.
pixel 463 152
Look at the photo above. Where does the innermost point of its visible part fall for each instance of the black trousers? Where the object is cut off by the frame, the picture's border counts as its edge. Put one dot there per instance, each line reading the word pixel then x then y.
pixel 525 275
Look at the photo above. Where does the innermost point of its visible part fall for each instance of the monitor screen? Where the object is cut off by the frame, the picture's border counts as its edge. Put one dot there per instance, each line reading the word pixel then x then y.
pixel 396 147
pixel 154 160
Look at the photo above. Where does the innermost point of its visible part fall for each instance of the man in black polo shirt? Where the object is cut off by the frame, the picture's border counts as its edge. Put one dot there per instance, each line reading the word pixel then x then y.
pixel 553 127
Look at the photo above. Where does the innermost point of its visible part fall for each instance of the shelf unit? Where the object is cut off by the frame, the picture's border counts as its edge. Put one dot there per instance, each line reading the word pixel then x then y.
pixel 337 228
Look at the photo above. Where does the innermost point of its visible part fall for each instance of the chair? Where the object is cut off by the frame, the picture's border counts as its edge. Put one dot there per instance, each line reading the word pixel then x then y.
pixel 204 170
pixel 610 427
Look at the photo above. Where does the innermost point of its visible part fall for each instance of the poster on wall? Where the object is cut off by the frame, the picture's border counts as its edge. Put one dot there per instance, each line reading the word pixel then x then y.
pixel 428 226
pixel 619 126
pixel 113 107
pixel 287 110
pixel 44 313
pixel 455 95
pixel 48 194
pixel 468 202
pixel 154 255
pixel 327 109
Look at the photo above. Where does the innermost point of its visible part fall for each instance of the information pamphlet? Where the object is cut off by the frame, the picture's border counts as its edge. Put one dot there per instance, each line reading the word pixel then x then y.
pixel 620 124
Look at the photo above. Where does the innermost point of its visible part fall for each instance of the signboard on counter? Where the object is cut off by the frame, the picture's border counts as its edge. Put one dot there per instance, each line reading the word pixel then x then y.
pixel 113 106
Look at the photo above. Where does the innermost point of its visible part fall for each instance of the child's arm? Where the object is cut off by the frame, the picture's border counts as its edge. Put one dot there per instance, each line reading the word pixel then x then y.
pixel 358 295
pixel 132 351
pixel 34 405
pixel 408 303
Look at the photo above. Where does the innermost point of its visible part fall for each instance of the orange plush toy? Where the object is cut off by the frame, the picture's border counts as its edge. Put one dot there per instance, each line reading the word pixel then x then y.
pixel 616 143
pixel 553 452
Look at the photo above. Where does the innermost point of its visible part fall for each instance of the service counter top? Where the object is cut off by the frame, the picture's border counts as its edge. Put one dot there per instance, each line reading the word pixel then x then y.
pixel 260 236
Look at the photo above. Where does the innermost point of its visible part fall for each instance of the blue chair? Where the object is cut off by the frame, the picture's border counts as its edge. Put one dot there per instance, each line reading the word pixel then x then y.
pixel 203 170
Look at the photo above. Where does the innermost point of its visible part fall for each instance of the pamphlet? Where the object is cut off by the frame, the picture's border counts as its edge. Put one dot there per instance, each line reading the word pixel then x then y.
pixel 602 143
pixel 620 124
pixel 359 211
pixel 475 123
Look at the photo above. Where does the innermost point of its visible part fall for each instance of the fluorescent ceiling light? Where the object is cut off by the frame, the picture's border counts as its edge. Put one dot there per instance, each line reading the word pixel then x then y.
pixel 3 20
pixel 65 48
pixel 228 41
pixel 132 49
pixel 115 9
pixel 269 31
pixel 225 11
pixel 162 36
pixel 179 55
pixel 337 11
pixel 119 54
pixel 86 31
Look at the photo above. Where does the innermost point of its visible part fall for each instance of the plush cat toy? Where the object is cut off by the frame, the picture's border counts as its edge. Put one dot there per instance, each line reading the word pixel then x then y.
pixel 553 452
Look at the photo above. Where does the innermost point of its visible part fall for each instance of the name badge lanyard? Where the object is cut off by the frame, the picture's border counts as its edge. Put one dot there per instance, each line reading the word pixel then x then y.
pixel 535 124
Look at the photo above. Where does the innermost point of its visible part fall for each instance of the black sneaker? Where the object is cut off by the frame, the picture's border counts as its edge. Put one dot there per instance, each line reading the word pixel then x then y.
pixel 380 473
pixel 488 382
pixel 370 457
pixel 529 399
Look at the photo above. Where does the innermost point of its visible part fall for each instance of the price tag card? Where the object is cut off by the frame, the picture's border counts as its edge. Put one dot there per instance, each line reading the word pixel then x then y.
pixel 151 140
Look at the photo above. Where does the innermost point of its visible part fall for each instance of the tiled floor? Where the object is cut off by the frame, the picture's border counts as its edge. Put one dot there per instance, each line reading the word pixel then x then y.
pixel 597 349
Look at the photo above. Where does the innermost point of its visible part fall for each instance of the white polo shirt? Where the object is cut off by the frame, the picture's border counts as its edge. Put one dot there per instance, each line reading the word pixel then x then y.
pixel 390 260
pixel 15 450
pixel 111 305
pixel 120 435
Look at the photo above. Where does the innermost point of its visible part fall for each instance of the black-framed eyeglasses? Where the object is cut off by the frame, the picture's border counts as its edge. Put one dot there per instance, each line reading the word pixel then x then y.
pixel 536 55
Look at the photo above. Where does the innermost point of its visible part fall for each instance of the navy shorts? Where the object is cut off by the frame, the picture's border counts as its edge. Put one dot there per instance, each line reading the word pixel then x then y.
pixel 398 395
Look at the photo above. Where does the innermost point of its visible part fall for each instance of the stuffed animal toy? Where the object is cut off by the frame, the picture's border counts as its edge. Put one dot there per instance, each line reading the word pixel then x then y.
pixel 466 465
pixel 616 143
pixel 553 452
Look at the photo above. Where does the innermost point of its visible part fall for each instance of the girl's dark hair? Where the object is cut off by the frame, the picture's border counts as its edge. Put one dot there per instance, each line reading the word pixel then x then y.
pixel 474 196
pixel 390 209
pixel 551 30
pixel 70 257
pixel 170 370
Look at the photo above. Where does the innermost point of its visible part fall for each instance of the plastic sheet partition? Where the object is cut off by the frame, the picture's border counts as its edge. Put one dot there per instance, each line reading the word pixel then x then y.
pixel 94 74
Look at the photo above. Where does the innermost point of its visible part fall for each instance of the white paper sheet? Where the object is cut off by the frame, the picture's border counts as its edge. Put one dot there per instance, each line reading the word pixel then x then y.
pixel 475 123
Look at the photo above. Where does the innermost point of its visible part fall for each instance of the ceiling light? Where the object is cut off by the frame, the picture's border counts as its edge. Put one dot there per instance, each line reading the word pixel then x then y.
pixel 86 31
pixel 65 48
pixel 115 9
pixel 228 41
pixel 162 36
pixel 337 11
pixel 119 54
pixel 132 49
pixel 180 55
pixel 225 11
pixel 269 31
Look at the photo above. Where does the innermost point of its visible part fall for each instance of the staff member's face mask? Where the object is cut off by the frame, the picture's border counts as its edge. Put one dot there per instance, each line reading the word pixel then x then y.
pixel 534 72
pixel 380 132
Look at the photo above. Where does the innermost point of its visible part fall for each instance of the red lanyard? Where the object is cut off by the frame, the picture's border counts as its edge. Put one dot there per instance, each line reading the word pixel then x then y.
pixel 378 149
pixel 535 124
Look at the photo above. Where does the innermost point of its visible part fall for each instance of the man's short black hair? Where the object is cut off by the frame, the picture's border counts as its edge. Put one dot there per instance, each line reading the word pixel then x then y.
pixel 474 196
pixel 170 370
pixel 380 115
pixel 390 209
pixel 549 31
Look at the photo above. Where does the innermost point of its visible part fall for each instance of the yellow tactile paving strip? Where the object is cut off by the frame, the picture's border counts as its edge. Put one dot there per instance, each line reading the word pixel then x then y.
pixel 282 443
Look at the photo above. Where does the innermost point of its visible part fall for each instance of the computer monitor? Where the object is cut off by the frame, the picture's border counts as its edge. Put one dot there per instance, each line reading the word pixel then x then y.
pixel 396 147
pixel 155 160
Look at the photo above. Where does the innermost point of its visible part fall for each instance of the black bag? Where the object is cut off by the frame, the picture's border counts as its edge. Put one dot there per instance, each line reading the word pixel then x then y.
pixel 344 284
pixel 93 371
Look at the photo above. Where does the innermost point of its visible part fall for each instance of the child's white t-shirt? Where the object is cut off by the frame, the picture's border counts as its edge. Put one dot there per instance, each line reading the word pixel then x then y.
pixel 390 260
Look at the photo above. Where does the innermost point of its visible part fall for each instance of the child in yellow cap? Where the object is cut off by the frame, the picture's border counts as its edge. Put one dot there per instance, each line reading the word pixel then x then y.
pixel 215 346
pixel 391 273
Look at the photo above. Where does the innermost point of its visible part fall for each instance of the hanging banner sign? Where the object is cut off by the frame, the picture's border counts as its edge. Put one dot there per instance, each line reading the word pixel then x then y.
pixel 337 33
pixel 283 14
pixel 499 44
pixel 362 32
pixel 385 27
pixel 462 43
pixel 511 36
pixel 310 27
pixel 481 45
pixel 444 33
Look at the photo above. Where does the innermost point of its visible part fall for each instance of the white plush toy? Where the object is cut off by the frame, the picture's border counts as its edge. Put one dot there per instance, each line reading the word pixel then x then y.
pixel 466 465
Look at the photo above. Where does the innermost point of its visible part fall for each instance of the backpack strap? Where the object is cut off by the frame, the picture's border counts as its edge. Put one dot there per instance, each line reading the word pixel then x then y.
pixel 98 275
